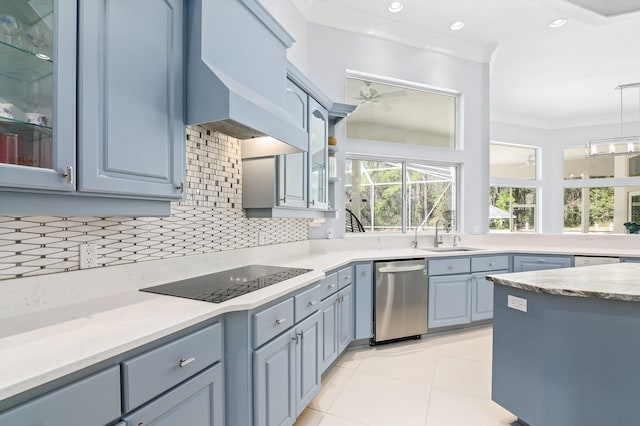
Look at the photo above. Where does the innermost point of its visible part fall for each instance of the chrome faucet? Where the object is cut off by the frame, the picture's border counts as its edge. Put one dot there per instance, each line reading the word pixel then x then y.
pixel 437 240
pixel 455 243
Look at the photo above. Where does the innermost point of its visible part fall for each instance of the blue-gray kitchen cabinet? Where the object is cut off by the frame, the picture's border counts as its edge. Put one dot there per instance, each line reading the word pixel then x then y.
pixel 329 348
pixel 482 296
pixel 345 318
pixel 292 168
pixel 337 315
pixel 116 126
pixel 131 98
pixel 48 86
pixel 363 301
pixel 449 300
pixel 287 374
pixel 481 288
pixel 94 400
pixel 196 402
pixel 525 263
pixel 318 155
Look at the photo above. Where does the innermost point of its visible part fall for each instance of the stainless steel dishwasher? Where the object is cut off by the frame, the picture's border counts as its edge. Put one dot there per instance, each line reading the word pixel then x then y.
pixel 400 300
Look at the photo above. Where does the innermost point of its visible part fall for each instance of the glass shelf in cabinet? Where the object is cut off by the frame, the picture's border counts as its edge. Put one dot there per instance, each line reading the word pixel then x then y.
pixel 23 65
pixel 10 125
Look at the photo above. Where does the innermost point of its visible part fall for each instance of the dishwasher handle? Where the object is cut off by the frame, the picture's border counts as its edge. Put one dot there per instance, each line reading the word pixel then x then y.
pixel 392 269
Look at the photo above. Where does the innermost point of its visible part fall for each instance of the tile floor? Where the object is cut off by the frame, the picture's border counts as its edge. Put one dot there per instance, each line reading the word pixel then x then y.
pixel 437 381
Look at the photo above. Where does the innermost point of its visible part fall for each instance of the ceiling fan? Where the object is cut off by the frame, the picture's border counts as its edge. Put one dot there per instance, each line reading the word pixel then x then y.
pixel 531 161
pixel 371 95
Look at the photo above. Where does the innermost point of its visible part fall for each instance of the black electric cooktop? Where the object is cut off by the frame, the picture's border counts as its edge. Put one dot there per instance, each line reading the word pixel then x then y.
pixel 225 285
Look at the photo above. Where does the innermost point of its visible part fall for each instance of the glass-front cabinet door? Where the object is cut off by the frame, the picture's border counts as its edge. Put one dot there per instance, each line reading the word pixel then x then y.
pixel 318 128
pixel 37 94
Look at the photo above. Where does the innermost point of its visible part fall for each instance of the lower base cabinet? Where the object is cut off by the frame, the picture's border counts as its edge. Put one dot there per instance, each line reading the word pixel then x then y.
pixel 287 373
pixel 94 400
pixel 337 325
pixel 197 402
pixel 449 300
pixel 482 296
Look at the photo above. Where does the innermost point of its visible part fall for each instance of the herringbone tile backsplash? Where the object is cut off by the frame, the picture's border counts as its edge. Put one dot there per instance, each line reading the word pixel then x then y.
pixel 210 219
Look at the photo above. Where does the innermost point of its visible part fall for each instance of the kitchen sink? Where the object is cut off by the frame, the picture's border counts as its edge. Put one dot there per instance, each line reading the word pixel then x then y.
pixel 449 249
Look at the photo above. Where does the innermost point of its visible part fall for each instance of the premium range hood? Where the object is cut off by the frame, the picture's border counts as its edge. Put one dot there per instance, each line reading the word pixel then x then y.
pixel 237 70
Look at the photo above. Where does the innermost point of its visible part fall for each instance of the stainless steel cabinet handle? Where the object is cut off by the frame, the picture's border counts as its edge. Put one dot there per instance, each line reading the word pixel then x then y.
pixel 283 199
pixel 347 277
pixel 68 174
pixel 280 320
pixel 186 361
pixel 312 302
pixel 541 260
pixel 492 263
pixel 332 285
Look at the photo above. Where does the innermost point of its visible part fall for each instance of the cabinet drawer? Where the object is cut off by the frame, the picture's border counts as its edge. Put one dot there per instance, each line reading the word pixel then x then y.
pixel 272 321
pixel 307 302
pixel 489 263
pixel 198 401
pixel 153 372
pixel 345 277
pixel 94 400
pixel 329 285
pixel 449 266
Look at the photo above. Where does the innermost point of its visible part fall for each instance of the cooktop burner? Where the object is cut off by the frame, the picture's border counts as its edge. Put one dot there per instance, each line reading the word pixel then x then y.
pixel 225 285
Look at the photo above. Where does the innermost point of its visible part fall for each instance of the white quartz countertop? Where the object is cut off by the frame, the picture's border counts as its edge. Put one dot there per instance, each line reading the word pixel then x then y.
pixel 617 281
pixel 53 325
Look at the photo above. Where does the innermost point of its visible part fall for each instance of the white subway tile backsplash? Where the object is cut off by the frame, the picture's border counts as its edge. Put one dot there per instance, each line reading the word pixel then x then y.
pixel 209 219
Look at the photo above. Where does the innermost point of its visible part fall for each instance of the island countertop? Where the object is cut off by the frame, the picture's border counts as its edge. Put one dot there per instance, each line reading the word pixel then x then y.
pixel 619 281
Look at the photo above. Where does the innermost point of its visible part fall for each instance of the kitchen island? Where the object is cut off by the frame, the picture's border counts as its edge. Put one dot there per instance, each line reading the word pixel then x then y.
pixel 566 345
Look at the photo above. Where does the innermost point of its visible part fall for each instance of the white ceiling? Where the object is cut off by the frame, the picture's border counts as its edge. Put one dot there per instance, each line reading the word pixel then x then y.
pixel 543 77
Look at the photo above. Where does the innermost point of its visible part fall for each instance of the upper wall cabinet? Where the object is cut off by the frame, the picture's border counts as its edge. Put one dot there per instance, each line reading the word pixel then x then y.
pixel 292 168
pixel 122 152
pixel 37 94
pixel 318 125
pixel 130 112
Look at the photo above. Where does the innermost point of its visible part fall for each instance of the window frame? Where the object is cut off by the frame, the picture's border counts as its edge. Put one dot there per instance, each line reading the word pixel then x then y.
pixel 405 204
pixel 522 183
pixel 412 85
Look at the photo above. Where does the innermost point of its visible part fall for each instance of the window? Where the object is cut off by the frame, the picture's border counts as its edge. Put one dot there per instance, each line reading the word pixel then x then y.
pixel 512 209
pixel 601 193
pixel 400 113
pixel 396 196
pixel 513 188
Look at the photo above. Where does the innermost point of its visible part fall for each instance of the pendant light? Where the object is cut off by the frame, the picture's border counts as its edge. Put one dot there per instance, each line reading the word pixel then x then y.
pixel 623 145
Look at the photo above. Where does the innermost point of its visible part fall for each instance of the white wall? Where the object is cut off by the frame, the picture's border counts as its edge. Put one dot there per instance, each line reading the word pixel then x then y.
pixel 333 52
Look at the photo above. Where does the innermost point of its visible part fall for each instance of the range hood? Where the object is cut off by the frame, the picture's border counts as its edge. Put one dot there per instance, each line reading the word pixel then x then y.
pixel 237 70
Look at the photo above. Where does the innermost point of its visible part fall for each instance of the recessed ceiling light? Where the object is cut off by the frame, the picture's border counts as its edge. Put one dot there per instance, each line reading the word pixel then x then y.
pixel 557 22
pixel 456 26
pixel 395 6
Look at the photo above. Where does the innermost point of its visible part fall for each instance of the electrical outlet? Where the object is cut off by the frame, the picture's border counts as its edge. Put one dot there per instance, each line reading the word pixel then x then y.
pixel 88 256
pixel 517 303
pixel 329 233
pixel 263 238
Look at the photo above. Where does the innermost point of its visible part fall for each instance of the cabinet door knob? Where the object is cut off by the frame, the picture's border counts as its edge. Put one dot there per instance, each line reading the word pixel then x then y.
pixel 313 202
pixel 280 321
pixel 186 361
pixel 283 199
pixel 180 187
pixel 68 174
